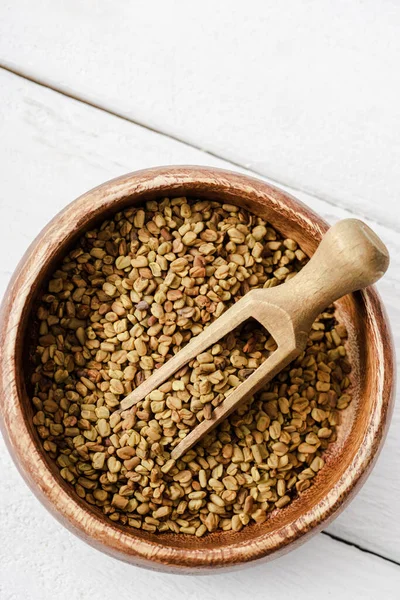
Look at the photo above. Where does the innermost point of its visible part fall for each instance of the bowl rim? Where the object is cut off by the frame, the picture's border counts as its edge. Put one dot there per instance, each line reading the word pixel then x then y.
pixel 80 519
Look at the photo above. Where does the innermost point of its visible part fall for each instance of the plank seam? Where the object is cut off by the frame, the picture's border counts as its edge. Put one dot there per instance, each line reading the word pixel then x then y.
pixel 170 136
pixel 210 153
pixel 336 538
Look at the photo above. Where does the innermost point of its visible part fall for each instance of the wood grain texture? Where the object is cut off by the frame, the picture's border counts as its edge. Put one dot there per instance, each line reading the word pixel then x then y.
pixel 348 460
pixel 62 148
pixel 61 567
pixel 307 95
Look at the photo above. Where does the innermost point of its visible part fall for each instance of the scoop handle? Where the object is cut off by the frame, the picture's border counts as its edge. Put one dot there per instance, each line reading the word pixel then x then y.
pixel 350 257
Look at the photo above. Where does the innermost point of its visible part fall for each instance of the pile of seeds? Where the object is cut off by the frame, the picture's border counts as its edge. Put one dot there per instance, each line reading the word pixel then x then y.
pixel 128 297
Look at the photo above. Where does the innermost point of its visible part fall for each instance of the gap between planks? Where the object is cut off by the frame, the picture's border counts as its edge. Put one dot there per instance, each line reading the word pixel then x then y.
pixel 330 201
pixel 68 94
pixel 336 538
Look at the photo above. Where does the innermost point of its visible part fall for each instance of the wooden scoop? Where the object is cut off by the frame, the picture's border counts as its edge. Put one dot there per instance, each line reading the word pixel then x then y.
pixel 350 257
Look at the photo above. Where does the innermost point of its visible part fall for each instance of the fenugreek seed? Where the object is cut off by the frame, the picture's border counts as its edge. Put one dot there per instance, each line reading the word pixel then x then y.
pixel 275 430
pixel 324 433
pixel 126 453
pixel 155 269
pixel 203 478
pixel 255 449
pixel 136 523
pixel 215 509
pixel 131 463
pixel 98 460
pixel 263 422
pixel 161 512
pixel 139 218
pixel 100 495
pixel 205 357
pixel 217 500
pixel 280 448
pixel 307 448
pixel 102 412
pixel 157 407
pixel 71 431
pixel 178 265
pixel 236 523
pixel 113 465
pixel 248 505
pixel 257 250
pixel 282 501
pixel 103 427
pixel 121 304
pixel 122 262
pixel 318 414
pixel 156 395
pixel 168 466
pixel 116 386
pixel 302 485
pixel 317 464
pixel 143 509
pixel 312 439
pixel 189 238
pixel 201 530
pixel 259 516
pixel 119 502
pixel 188 530
pixel 115 418
pixel 281 487
pixel 183 477
pixel 236 236
pixel 207 411
pixel 195 505
pixel 140 347
pixel 230 483
pixel 139 262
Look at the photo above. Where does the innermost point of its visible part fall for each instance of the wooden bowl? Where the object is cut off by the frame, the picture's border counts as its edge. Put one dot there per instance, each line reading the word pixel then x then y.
pixel 348 460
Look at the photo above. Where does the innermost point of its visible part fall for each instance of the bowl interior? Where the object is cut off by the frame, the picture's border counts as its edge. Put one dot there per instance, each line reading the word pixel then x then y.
pixel 358 312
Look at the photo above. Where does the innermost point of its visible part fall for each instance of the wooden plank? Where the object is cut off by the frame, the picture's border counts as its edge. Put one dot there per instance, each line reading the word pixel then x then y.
pixel 55 148
pixel 304 95
pixel 41 560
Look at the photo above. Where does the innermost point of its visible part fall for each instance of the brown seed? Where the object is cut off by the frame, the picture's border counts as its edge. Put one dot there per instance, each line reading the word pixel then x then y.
pixel 282 501
pixel 263 422
pixel 119 502
pixel 248 505
pixel 280 448
pixel 275 430
pixel 183 477
pixel 126 453
pixel 324 432
pixel 307 448
pixel 129 296
pixel 207 411
pixel 162 512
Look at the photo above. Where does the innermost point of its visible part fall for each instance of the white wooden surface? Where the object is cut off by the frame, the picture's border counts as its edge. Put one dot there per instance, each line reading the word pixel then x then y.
pixel 276 100
pixel 304 93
